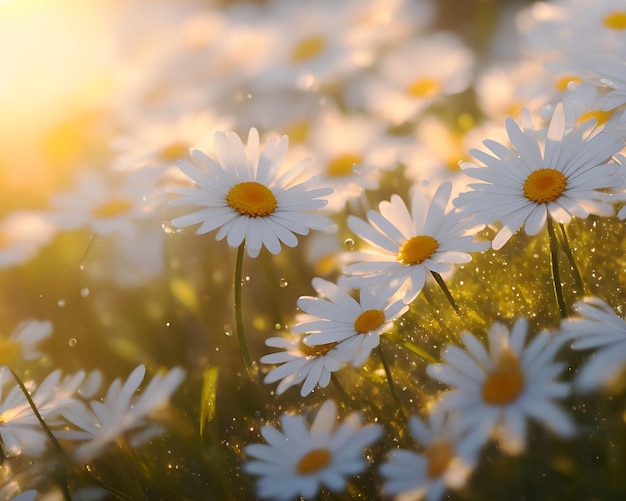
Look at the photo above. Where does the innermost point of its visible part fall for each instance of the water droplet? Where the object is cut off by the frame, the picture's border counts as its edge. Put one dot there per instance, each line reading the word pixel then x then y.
pixel 61 303
pixel 228 330
pixel 72 342
pixel 167 324
pixel 81 266
pixel 84 292
pixel 282 283
pixel 278 326
pixel 247 279
pixel 349 243
pixel 167 228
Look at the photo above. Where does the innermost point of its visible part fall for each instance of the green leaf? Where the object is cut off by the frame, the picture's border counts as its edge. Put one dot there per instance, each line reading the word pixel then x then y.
pixel 184 292
pixel 209 392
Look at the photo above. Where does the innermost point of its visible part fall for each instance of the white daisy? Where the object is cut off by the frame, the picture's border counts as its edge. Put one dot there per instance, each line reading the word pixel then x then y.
pixel 119 413
pixel 526 184
pixel 22 235
pixel 160 143
pixel 108 206
pixel 350 152
pixel 431 155
pixel 300 461
pixel 612 76
pixel 314 43
pixel 398 92
pixel 495 392
pixel 598 327
pixel 301 363
pixel 552 31
pixel 446 462
pixel 249 197
pixel 20 431
pixel 22 343
pixel 408 244
pixel 334 316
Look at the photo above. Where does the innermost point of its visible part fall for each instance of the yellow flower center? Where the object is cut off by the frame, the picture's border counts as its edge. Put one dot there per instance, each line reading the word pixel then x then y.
pixel 252 199
pixel 368 321
pixel 298 131
pixel 308 49
pixel 506 382
pixel 315 350
pixel 615 20
pixel 563 82
pixel 439 455
pixel 314 461
pixel 424 87
pixel 112 208
pixel 601 116
pixel 544 185
pixel 343 165
pixel 417 249
pixel 10 351
pixel 174 152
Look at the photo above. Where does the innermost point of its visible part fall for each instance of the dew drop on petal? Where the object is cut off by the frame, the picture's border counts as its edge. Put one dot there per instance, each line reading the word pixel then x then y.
pixel 282 283
pixel 228 330
pixel 72 342
pixel 84 292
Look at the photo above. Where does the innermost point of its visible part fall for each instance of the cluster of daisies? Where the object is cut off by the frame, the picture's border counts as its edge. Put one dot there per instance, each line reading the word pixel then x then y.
pixel 69 408
pixel 334 79
pixel 547 176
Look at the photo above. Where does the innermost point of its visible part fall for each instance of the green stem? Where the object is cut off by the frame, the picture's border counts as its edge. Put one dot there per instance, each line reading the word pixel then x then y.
pixel 241 337
pixel 392 386
pixel 344 394
pixel 62 475
pixel 81 262
pixel 556 275
pixel 570 256
pixel 445 290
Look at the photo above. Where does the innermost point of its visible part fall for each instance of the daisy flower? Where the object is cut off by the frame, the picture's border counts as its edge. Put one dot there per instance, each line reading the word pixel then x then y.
pixel 299 461
pixel 551 31
pixel 334 316
pixel 612 75
pixel 251 198
pixel 407 244
pixel 597 327
pixel 119 413
pixel 399 92
pixel 108 206
pixel 446 462
pixel 350 152
pixel 496 391
pixel 301 363
pixel 23 340
pixel 22 235
pixel 160 143
pixel 20 431
pixel 431 155
pixel 313 44
pixel 527 184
